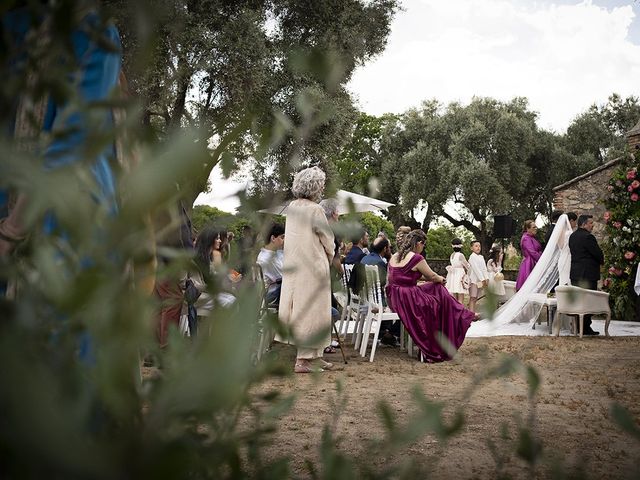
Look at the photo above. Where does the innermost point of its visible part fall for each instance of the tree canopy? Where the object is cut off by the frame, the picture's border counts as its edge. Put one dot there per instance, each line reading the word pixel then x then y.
pixel 600 131
pixel 252 69
pixel 463 163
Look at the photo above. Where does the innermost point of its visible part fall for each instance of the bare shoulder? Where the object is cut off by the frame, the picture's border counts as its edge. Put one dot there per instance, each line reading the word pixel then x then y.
pixel 395 263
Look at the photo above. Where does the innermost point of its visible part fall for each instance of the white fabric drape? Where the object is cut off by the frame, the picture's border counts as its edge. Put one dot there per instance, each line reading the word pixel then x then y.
pixel 521 311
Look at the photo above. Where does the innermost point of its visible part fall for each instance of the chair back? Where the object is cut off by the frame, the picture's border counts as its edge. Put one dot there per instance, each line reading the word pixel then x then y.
pixel 261 286
pixel 372 286
pixel 579 301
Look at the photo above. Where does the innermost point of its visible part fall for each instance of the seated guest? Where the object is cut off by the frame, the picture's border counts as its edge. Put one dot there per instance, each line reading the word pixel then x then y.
pixel 380 253
pixel 208 265
pixel 436 321
pixel 356 253
pixel 379 256
pixel 400 234
pixel 360 242
pixel 271 260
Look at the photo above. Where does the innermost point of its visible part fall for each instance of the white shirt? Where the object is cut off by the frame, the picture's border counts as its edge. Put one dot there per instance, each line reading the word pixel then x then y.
pixel 271 263
pixel 477 268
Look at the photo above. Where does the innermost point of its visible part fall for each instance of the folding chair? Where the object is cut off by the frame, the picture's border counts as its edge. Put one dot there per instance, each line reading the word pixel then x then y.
pixel 352 318
pixel 266 334
pixel 376 314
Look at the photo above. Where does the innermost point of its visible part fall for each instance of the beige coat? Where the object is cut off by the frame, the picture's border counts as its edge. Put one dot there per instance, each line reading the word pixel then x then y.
pixel 305 299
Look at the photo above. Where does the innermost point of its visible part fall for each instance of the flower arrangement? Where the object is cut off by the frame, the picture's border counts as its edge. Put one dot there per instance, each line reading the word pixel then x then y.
pixel 622 247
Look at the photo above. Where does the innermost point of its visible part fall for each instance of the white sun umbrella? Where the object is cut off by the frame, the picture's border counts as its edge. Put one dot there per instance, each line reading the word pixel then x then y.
pixel 359 203
pixel 346 202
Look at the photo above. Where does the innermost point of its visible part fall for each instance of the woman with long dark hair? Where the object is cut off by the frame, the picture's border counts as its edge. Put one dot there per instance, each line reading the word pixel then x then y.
pixel 436 321
pixel 208 262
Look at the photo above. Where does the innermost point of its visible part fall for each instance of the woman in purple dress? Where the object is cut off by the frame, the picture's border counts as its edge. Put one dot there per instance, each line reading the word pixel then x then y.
pixel 436 321
pixel 531 251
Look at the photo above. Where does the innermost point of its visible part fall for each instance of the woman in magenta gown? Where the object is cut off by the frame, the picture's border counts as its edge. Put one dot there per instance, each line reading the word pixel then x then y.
pixel 531 251
pixel 428 311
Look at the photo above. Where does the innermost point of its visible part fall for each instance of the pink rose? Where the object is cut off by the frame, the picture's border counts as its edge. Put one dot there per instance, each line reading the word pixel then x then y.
pixel 617 224
pixel 606 282
pixel 610 188
pixel 615 271
pixel 631 174
pixel 635 184
pixel 634 197
pixel 629 188
pixel 629 255
pixel 607 216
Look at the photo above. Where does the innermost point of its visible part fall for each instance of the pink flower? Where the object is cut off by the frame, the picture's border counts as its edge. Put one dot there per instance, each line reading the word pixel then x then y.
pixel 631 174
pixel 617 224
pixel 635 184
pixel 629 255
pixel 634 197
pixel 607 216
pixel 606 282
pixel 610 188
pixel 629 188
pixel 615 271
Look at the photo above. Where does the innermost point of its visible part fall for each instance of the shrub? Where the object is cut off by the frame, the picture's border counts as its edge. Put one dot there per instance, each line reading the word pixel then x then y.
pixel 622 247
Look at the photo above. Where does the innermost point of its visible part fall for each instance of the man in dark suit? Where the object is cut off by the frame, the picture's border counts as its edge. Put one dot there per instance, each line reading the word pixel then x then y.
pixel 379 256
pixel 586 258
pixel 360 241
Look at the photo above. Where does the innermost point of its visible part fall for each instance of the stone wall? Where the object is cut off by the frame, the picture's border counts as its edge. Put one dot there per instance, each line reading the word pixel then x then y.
pixel 584 195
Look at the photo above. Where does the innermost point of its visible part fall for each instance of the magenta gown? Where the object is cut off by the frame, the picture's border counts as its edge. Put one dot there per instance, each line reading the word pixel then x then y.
pixel 425 310
pixel 531 251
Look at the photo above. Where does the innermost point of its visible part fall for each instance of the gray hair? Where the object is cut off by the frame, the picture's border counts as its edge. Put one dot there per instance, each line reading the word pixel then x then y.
pixel 309 184
pixel 330 206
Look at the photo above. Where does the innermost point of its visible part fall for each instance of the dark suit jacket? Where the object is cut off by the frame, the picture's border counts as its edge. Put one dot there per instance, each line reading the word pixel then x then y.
pixel 548 234
pixel 355 255
pixel 586 257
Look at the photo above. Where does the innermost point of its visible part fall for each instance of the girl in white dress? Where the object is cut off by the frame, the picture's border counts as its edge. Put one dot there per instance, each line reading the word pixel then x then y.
pixel 457 271
pixel 494 266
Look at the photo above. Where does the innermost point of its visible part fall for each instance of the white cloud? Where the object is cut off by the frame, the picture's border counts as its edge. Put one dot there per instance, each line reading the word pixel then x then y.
pixel 223 192
pixel 562 57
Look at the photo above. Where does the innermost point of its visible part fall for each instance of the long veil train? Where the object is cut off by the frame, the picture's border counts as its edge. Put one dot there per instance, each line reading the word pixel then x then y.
pixel 521 311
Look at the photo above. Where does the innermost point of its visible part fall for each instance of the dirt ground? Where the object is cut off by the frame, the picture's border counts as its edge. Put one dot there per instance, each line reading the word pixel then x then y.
pixel 580 379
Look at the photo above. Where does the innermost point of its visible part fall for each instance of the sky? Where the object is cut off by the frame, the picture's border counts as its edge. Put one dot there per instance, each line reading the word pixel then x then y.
pixel 563 55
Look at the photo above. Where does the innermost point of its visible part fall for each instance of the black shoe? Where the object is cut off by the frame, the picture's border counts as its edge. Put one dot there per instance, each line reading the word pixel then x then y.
pixel 591 332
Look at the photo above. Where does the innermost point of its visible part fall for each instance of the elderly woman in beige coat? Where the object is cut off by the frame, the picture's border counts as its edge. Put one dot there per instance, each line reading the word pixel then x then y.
pixel 305 299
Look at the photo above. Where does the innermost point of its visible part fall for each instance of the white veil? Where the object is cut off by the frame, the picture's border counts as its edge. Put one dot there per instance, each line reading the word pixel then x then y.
pixel 521 311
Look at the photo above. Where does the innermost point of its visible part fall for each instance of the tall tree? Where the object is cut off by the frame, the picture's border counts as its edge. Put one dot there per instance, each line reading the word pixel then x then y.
pixel 600 131
pixel 359 163
pixel 462 163
pixel 234 66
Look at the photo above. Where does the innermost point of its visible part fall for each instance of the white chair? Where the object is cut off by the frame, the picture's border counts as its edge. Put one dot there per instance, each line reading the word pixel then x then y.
pixel 352 318
pixel 266 334
pixel 581 301
pixel 376 314
pixel 343 298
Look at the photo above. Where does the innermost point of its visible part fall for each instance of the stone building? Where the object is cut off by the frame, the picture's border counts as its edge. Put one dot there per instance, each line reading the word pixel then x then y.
pixel 584 194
